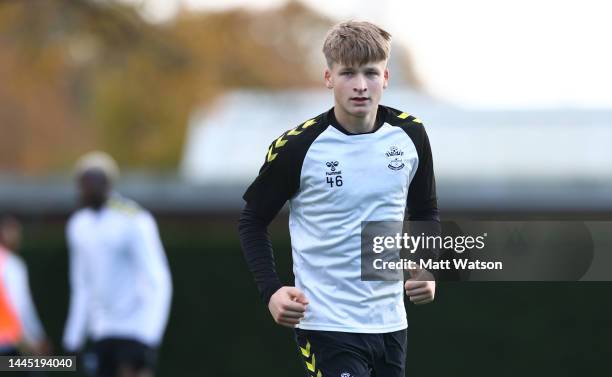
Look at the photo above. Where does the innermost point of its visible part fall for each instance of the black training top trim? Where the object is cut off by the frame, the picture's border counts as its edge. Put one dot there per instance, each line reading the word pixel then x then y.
pixel 381 115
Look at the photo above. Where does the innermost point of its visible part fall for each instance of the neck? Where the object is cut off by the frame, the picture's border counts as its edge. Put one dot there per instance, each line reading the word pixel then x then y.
pixel 356 124
pixel 96 205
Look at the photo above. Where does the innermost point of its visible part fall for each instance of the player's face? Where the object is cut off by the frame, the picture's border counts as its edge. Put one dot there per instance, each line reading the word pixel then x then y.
pixel 10 234
pixel 93 188
pixel 357 89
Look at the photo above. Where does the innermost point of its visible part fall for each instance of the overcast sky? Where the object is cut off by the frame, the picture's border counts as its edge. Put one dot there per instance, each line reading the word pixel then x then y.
pixel 482 53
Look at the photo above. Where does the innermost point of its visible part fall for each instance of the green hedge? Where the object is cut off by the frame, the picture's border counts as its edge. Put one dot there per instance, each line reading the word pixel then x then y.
pixel 219 327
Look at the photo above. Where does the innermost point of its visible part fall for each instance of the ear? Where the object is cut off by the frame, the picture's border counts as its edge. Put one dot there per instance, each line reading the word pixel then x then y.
pixel 329 84
pixel 386 78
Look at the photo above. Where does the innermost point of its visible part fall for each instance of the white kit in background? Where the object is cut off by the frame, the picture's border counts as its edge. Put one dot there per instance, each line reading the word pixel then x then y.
pixel 119 275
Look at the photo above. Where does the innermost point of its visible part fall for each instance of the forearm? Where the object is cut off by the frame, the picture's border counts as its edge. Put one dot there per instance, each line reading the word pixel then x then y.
pixel 258 253
pixel 427 214
pixel 33 330
pixel 18 289
pixel 426 221
pixel 74 332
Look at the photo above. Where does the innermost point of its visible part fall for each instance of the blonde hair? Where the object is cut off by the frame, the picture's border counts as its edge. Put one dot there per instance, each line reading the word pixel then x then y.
pixel 98 160
pixel 356 43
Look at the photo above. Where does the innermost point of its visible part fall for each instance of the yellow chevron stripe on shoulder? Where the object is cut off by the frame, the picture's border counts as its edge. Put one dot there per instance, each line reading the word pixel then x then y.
pixel 271 156
pixel 280 142
pixel 414 119
pixel 123 206
pixel 284 138
pixel 294 132
pixel 309 123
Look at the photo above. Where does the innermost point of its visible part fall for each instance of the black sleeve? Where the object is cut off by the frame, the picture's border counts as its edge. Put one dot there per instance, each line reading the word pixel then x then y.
pixel 257 249
pixel 422 201
pixel 276 183
pixel 265 197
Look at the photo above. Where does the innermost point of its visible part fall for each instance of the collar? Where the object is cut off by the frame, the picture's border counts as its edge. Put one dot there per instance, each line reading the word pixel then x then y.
pixel 381 114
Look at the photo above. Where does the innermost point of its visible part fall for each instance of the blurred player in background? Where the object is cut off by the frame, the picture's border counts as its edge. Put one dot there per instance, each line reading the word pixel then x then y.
pixel 359 161
pixel 20 328
pixel 119 276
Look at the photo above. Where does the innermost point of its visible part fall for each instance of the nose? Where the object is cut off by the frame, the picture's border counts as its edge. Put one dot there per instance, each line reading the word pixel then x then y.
pixel 360 84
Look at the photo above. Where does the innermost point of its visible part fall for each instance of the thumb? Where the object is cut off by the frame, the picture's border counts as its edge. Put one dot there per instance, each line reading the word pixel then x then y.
pixel 297 295
pixel 414 273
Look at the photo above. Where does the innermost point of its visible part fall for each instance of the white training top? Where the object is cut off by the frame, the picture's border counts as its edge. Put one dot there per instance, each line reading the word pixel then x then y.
pixel 334 181
pixel 119 275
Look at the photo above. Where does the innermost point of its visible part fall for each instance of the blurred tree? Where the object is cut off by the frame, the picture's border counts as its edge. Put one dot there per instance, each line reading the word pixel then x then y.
pixel 77 75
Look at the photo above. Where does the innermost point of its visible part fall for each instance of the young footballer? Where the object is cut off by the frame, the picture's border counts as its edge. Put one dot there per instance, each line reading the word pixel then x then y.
pixel 359 161
pixel 119 276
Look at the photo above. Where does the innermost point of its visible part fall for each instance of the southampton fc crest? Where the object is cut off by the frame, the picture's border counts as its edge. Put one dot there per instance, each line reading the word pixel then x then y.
pixel 395 158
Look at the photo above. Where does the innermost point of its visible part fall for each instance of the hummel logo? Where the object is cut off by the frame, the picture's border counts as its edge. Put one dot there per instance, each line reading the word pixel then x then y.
pixel 332 165
pixel 333 177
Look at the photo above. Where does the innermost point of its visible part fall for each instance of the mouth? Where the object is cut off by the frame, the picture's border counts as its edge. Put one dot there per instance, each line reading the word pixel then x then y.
pixel 359 99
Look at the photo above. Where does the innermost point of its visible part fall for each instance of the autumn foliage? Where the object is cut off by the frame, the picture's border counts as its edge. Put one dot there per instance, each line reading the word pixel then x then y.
pixel 78 75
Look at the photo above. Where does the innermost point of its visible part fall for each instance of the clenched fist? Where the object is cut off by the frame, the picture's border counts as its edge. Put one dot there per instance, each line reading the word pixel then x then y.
pixel 287 306
pixel 421 287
